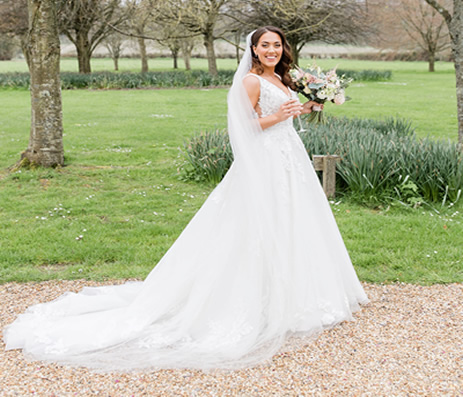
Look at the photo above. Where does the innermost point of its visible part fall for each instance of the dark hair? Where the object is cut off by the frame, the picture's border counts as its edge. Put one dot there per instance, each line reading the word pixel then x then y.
pixel 282 68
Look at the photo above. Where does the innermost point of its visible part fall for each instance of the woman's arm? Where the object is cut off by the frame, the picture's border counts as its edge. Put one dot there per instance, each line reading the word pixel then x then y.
pixel 288 109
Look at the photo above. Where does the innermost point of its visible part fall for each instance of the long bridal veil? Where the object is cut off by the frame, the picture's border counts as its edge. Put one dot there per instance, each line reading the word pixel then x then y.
pixel 254 265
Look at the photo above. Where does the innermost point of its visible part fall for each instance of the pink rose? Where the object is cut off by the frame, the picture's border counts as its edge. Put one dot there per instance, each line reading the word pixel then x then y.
pixel 339 99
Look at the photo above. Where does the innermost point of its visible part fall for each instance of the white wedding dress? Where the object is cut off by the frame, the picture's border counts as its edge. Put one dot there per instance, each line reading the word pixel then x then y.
pixel 261 261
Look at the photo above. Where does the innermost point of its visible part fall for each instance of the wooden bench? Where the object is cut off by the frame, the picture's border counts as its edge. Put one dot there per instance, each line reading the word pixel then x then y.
pixel 327 164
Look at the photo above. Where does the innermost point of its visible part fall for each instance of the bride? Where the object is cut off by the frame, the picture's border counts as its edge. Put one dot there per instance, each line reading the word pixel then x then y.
pixel 261 261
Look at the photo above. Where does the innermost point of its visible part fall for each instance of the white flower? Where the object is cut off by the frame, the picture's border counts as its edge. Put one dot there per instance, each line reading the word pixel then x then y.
pixel 322 94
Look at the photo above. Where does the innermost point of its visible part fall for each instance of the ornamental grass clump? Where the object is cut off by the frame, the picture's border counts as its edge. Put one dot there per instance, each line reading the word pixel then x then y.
pixel 378 156
pixel 208 156
pixel 382 161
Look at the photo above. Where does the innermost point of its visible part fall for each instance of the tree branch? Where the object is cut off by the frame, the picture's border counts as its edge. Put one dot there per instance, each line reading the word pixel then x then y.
pixel 441 10
pixel 231 42
pixel 142 36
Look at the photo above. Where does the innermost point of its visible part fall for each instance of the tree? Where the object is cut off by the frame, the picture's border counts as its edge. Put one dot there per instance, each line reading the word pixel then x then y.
pixel 187 46
pixel 454 20
pixel 13 21
pixel 199 18
pixel 113 44
pixel 166 36
pixel 87 23
pixel 174 47
pixel 302 21
pixel 426 27
pixel 140 18
pixel 43 48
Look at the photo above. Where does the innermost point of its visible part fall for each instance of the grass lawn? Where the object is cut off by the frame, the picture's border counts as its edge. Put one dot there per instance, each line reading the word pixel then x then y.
pixel 120 190
pixel 134 65
pixel 428 100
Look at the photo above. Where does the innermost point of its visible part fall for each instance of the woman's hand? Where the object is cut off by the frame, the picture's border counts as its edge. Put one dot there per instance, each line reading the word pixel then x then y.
pixel 308 107
pixel 289 109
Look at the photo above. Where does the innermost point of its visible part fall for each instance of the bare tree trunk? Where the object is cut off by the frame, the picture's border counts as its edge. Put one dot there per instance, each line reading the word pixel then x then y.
pixel 83 52
pixel 211 60
pixel 456 35
pixel 25 50
pixel 295 50
pixel 295 57
pixel 431 62
pixel 46 137
pixel 186 52
pixel 237 47
pixel 144 58
pixel 175 58
pixel 455 24
pixel 116 63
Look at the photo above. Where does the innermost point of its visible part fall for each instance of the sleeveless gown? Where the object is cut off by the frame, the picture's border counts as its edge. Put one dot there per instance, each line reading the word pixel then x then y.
pixel 226 294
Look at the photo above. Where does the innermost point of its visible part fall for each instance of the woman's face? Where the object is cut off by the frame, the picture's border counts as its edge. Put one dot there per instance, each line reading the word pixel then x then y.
pixel 269 49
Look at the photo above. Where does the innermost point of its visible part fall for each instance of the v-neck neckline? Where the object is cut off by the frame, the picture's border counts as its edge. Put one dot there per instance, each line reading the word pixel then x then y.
pixel 288 94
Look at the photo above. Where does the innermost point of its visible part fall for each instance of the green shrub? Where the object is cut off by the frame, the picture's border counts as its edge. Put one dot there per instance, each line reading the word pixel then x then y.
pixel 166 79
pixel 105 80
pixel 382 160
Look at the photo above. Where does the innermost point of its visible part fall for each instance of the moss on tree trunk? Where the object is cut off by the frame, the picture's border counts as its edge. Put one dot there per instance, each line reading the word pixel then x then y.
pixel 46 135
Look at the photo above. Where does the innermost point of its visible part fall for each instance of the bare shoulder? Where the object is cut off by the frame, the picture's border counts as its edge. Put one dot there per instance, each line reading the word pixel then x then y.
pixel 251 82
pixel 252 85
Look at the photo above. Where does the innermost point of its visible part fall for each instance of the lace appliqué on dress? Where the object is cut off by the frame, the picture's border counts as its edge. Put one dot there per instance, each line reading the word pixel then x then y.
pixel 281 135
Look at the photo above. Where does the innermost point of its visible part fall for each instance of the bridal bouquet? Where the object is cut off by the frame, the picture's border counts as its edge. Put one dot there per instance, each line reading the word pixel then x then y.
pixel 320 87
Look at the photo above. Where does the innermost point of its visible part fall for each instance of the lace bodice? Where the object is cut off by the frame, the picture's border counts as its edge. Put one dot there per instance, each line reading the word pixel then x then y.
pixel 271 98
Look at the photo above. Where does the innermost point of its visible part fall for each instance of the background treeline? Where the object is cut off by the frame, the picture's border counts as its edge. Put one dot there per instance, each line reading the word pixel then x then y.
pixel 387 30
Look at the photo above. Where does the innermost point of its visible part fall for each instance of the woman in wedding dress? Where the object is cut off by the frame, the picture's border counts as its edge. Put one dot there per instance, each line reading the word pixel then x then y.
pixel 261 261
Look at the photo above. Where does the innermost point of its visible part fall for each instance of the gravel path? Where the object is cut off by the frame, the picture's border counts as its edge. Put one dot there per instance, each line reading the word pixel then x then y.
pixel 407 342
